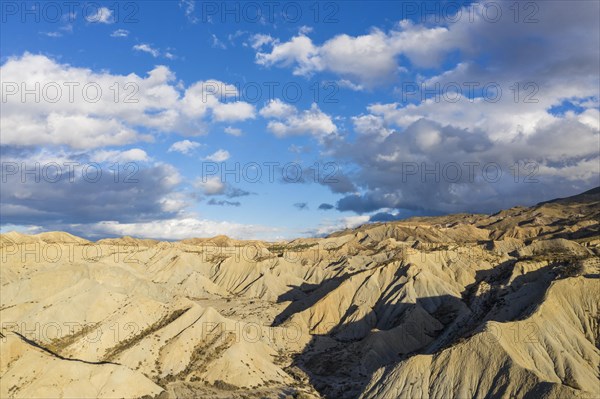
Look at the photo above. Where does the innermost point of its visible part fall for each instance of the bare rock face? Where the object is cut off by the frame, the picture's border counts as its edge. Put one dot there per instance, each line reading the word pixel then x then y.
pixel 458 306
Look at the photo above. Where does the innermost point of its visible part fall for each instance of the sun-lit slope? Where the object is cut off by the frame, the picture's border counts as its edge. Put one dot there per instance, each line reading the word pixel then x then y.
pixel 552 353
pixel 146 308
pixel 31 372
pixel 452 306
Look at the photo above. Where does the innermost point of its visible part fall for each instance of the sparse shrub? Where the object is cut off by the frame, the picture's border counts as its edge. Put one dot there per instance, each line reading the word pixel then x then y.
pixel 571 269
pixel 222 385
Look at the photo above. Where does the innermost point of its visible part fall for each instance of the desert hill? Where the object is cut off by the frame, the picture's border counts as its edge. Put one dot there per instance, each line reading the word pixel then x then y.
pixel 456 306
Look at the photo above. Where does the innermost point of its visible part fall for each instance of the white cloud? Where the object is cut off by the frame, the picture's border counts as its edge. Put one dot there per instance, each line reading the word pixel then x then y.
pixel 133 155
pixel 120 33
pixel 218 156
pixel 77 131
pixel 425 166
pixel 590 117
pixel 299 51
pixel 210 185
pixel 174 202
pixel 430 133
pixel 154 52
pixel 184 227
pixel 103 15
pixel 67 28
pixel 52 34
pixel 376 58
pixel 305 29
pixel 372 125
pixel 184 146
pixel 216 43
pixel 232 37
pixel 289 121
pixel 146 48
pixel 234 111
pixel 330 226
pixel 189 7
pixel 233 131
pixel 202 97
pixel 259 40
pixel 277 109
pixel 349 85
pixel 151 192
pixel 364 60
pixel 97 116
pixel 150 206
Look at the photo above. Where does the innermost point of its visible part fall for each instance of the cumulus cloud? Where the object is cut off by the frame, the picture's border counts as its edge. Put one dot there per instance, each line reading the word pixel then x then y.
pixel 83 109
pixel 377 57
pixel 215 96
pixel 214 185
pixel 441 168
pixel 371 125
pixel 428 151
pixel 133 155
pixel 142 199
pixel 233 111
pixel 350 85
pixel 277 109
pixel 218 156
pixel 233 131
pixel 117 186
pixel 362 60
pixel 179 228
pixel 211 185
pixel 77 131
pixel 289 121
pixel 417 154
pixel 184 146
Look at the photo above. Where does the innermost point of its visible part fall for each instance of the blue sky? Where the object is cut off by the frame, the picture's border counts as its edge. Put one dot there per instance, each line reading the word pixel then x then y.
pixel 376 94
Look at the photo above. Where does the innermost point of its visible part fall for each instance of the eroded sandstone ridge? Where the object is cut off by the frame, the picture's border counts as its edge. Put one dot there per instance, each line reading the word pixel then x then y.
pixel 457 306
